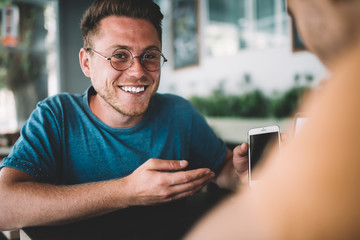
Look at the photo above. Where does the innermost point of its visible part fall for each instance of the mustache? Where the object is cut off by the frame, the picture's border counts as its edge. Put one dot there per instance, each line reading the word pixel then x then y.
pixel 142 79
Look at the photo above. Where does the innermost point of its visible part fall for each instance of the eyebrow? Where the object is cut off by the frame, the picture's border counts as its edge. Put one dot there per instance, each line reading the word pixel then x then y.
pixel 151 47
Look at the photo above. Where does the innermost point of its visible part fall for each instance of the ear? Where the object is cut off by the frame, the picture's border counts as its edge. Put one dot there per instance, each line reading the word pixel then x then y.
pixel 84 62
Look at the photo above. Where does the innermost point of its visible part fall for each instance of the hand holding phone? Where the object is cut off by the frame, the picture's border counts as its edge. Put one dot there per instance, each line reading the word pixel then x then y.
pixel 260 140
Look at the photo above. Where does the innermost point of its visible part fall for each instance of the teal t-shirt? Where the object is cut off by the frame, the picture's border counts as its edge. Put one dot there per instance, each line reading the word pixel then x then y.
pixel 63 142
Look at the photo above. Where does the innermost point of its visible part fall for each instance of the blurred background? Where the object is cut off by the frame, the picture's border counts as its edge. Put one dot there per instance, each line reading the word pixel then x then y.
pixel 239 62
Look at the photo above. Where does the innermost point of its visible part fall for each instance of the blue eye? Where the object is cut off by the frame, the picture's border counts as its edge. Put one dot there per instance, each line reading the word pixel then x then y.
pixel 152 55
pixel 121 55
pixel 149 56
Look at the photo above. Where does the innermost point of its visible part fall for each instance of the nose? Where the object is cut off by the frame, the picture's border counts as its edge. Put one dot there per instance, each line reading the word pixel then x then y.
pixel 136 69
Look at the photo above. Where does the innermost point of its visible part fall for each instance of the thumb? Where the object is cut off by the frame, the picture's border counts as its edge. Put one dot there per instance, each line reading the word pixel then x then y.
pixel 165 165
pixel 241 150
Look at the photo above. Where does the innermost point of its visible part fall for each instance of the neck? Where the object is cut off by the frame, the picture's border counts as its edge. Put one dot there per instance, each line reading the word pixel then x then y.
pixel 350 59
pixel 110 116
pixel 350 50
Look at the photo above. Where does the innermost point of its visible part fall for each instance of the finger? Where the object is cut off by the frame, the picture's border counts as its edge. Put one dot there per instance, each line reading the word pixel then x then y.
pixel 186 193
pixel 187 189
pixel 241 150
pixel 284 137
pixel 240 159
pixel 184 177
pixel 165 165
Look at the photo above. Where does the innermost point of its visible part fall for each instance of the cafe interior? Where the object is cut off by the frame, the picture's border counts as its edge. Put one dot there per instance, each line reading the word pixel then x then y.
pixel 216 50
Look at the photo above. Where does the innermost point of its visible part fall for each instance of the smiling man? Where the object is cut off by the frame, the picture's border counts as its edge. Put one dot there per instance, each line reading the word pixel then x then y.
pixel 120 144
pixel 129 89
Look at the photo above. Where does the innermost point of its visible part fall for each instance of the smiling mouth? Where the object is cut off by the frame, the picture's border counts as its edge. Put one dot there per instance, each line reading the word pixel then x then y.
pixel 133 90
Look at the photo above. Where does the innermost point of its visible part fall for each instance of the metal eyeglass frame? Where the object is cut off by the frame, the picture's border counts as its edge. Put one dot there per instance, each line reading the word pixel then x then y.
pixel 132 60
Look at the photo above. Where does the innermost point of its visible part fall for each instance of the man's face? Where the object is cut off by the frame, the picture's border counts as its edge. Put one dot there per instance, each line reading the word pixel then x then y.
pixel 113 86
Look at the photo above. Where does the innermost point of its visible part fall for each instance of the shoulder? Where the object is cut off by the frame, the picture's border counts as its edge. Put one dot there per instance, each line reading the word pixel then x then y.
pixel 61 98
pixel 173 107
pixel 58 107
pixel 61 101
pixel 172 101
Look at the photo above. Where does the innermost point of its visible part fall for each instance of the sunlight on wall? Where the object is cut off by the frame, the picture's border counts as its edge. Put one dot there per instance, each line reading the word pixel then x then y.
pixel 8 121
pixel 52 54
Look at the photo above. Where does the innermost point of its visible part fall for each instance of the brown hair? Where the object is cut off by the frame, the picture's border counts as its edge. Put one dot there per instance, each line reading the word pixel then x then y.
pixel 100 9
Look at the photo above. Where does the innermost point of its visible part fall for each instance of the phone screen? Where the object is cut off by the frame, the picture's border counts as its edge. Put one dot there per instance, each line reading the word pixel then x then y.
pixel 259 145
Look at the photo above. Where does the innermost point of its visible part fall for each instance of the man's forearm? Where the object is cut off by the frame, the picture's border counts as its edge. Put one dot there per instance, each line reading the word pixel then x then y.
pixel 32 203
pixel 24 202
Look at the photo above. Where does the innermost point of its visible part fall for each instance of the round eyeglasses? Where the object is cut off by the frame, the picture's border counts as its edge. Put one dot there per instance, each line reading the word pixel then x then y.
pixel 122 59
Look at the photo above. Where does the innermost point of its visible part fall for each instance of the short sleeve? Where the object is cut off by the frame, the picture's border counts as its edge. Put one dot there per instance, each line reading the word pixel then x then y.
pixel 38 146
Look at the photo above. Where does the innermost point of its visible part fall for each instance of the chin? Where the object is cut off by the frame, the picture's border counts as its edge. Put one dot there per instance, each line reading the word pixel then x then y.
pixel 131 112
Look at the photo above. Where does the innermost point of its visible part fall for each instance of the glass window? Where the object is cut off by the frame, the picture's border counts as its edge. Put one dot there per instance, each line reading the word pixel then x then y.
pixel 226 11
pixel 271 24
pixel 265 9
pixel 265 15
pixel 28 59
pixel 234 25
pixel 222 30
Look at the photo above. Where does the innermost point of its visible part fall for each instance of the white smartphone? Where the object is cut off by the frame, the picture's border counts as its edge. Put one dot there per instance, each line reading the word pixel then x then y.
pixel 260 141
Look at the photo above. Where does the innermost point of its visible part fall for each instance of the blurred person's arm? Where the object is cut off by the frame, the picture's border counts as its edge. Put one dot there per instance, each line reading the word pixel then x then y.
pixel 310 190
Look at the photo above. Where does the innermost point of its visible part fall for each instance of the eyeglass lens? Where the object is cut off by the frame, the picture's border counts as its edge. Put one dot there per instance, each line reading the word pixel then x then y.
pixel 151 60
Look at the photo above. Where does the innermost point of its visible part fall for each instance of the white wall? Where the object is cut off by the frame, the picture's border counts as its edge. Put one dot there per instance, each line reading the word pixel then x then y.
pixel 270 69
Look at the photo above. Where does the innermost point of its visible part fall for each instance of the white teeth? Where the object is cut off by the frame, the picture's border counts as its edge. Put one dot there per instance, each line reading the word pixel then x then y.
pixel 133 89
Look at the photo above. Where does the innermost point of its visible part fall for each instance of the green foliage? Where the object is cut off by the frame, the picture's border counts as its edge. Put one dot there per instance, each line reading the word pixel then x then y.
pixel 252 104
pixel 286 104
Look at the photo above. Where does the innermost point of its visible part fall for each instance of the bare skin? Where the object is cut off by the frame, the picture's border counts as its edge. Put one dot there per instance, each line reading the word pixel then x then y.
pixel 25 202
pixel 311 189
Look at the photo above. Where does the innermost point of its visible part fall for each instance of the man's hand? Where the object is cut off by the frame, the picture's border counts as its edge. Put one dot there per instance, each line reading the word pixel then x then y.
pixel 159 181
pixel 241 161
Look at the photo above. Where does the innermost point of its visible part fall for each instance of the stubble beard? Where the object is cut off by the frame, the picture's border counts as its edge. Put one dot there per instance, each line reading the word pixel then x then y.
pixel 111 99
